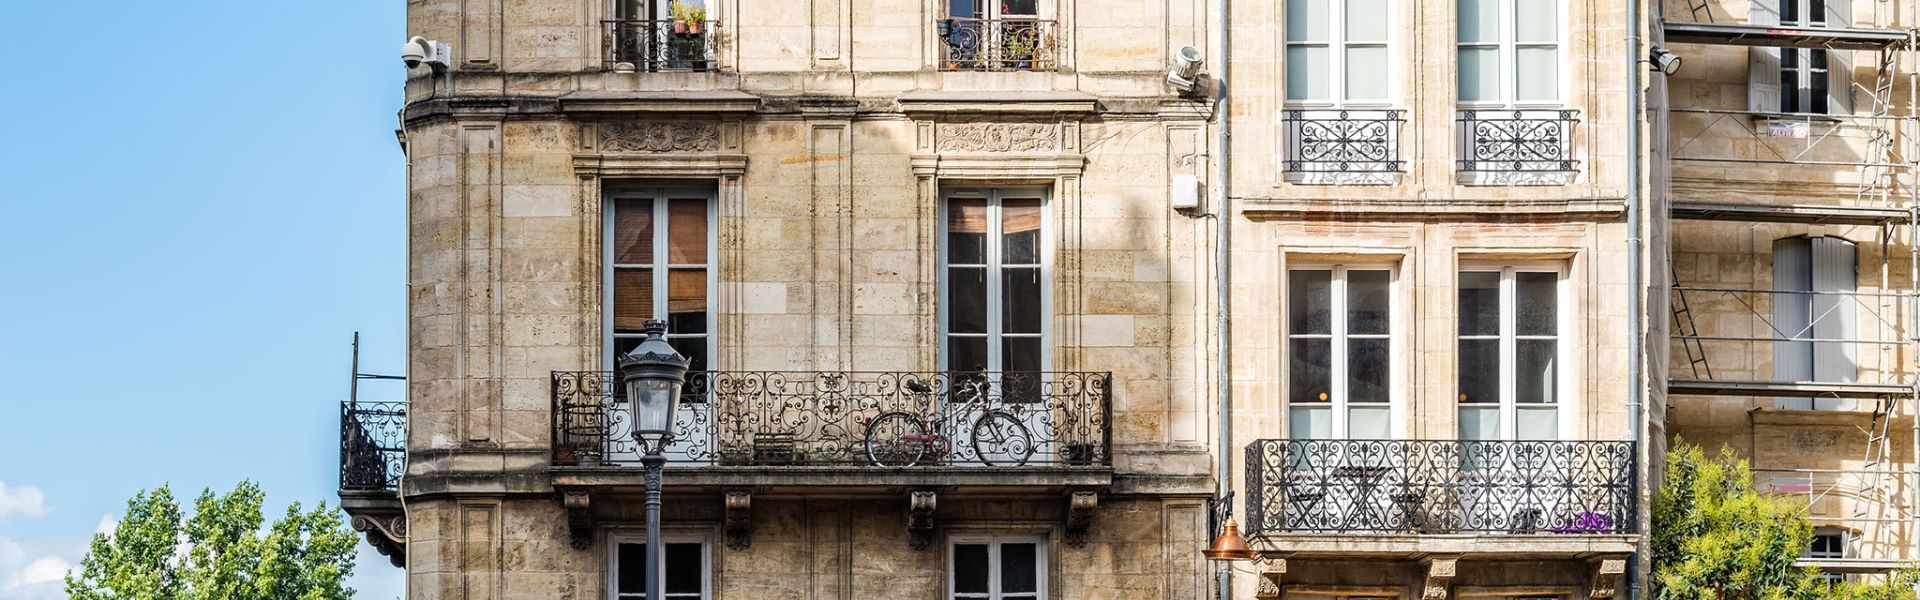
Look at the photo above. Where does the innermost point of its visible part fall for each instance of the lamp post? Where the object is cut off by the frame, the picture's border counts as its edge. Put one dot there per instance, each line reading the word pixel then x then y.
pixel 653 374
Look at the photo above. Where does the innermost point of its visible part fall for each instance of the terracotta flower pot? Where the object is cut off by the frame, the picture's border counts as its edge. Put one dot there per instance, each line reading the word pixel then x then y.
pixel 679 26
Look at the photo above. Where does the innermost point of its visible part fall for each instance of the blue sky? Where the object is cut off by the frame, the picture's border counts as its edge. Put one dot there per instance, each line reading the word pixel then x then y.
pixel 203 200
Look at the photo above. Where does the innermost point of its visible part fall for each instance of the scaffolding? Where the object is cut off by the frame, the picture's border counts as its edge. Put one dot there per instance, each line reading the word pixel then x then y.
pixel 1876 499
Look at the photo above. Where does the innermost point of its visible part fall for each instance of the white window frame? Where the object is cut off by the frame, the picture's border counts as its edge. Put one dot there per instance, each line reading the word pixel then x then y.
pixel 1337 331
pixel 995 298
pixel 1336 44
pixel 1565 343
pixel 1508 45
pixel 1041 556
pixel 660 267
pixel 616 538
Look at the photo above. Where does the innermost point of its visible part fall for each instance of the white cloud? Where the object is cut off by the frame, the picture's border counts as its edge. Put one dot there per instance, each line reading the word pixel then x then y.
pixel 107 524
pixel 24 499
pixel 41 570
pixel 35 569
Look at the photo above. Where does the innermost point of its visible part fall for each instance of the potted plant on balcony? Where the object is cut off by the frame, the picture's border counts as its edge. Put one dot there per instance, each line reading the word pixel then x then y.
pixel 678 11
pixel 696 18
pixel 1020 51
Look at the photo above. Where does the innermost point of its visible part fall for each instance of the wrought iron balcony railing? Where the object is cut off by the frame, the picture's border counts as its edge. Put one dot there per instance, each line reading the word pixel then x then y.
pixel 1344 146
pixel 864 419
pixel 1007 44
pixel 659 45
pixel 373 438
pixel 1517 141
pixel 1433 487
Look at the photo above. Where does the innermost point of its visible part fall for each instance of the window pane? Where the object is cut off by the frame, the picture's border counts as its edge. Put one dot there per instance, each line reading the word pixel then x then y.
pixel 1366 73
pixel 1020 295
pixel 1536 20
pixel 1367 302
pixel 1479 423
pixel 1021 354
pixel 687 301
pixel 967 231
pixel 1307 73
pixel 967 299
pixel 632 299
pixel 1020 226
pixel 1307 20
pixel 1310 422
pixel 1367 370
pixel 965 9
pixel 1479 371
pixel 1536 381
pixel 633 569
pixel 1537 423
pixel 687 231
pixel 1366 21
pixel 1479 21
pixel 633 232
pixel 1368 423
pixel 1479 303
pixel 967 353
pixel 694 348
pixel 1309 375
pixel 970 568
pixel 1018 572
pixel 1309 302
pixel 1538 75
pixel 683 568
pixel 1479 74
pixel 1019 7
pixel 1539 300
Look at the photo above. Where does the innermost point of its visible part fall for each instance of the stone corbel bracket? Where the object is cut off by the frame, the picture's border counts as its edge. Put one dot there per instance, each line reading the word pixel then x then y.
pixel 1272 571
pixel 1606 577
pixel 1440 572
pixel 739 519
pixel 920 507
pixel 579 518
pixel 387 533
pixel 1080 507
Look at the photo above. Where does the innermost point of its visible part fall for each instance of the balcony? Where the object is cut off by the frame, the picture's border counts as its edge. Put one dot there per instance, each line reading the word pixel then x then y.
pixel 1517 147
pixel 1344 147
pixel 1555 493
pixel 373 439
pixel 659 45
pixel 1006 44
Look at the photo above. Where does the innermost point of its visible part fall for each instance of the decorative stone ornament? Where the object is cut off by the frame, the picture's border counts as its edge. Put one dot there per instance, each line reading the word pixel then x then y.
pixel 387 533
pixel 1440 572
pixel 660 137
pixel 739 519
pixel 1080 507
pixel 579 518
pixel 920 507
pixel 1606 577
pixel 999 137
pixel 1272 571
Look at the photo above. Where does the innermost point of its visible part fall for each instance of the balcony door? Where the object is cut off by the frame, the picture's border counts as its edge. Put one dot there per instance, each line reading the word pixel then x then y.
pixel 994 319
pixel 659 249
pixel 1508 354
pixel 1340 349
pixel 996 35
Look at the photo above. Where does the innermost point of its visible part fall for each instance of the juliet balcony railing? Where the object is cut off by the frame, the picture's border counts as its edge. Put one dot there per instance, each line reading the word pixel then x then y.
pixel 1512 141
pixel 1005 44
pixel 373 439
pixel 1344 146
pixel 856 419
pixel 1440 487
pixel 659 45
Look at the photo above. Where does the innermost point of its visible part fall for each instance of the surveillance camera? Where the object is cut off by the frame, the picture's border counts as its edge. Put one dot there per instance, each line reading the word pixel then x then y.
pixel 1186 69
pixel 1666 62
pixel 421 50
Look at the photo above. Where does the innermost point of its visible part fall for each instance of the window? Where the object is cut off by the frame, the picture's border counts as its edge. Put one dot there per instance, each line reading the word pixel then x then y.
pixel 1509 351
pixel 1828 543
pixel 997 568
pixel 1339 353
pixel 995 314
pixel 657 256
pixel 684 567
pixel 998 35
pixel 1799 80
pixel 1509 52
pixel 1337 51
pixel 1813 280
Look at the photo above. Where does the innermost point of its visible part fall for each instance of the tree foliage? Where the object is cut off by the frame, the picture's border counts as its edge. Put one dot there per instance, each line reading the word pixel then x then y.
pixel 1715 537
pixel 224 551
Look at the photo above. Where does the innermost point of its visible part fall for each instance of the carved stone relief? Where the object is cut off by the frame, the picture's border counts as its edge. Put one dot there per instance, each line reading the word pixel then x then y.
pixel 660 137
pixel 998 137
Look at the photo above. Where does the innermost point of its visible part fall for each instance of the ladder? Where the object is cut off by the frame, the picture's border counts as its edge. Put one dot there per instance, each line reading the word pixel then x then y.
pixel 1689 332
pixel 1872 500
pixel 1700 7
pixel 1873 167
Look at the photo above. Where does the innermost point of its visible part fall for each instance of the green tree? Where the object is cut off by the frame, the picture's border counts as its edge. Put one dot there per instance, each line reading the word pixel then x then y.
pixel 221 553
pixel 1715 537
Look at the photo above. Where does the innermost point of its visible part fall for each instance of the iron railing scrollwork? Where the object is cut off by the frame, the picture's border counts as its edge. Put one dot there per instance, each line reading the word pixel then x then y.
pixel 1517 141
pixel 1005 44
pixel 1344 141
pixel 373 438
pixel 659 44
pixel 1434 486
pixel 770 418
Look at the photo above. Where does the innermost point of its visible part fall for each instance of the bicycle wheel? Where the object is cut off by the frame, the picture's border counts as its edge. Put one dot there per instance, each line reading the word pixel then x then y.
pixel 896 439
pixel 999 438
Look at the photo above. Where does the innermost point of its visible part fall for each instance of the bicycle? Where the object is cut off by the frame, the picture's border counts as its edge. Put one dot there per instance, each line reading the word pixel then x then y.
pixel 904 439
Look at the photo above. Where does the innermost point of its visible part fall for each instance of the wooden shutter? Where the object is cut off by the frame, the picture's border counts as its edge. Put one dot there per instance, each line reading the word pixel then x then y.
pixel 1833 316
pixel 1792 272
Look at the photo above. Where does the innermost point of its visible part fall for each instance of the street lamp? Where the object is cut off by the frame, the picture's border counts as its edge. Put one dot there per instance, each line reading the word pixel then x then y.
pixel 653 374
